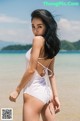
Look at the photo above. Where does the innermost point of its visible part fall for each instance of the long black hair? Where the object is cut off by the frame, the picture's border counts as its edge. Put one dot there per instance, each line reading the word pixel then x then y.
pixel 52 42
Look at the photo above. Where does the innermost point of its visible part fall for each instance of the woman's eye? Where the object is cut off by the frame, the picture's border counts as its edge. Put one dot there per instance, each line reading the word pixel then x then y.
pixel 40 26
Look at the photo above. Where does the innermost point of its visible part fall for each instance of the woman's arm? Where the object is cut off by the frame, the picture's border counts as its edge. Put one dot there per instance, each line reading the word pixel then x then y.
pixel 54 88
pixel 37 45
pixel 52 79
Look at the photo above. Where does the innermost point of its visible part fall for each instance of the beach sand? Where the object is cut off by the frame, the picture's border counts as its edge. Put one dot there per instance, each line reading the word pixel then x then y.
pixel 68 92
pixel 68 85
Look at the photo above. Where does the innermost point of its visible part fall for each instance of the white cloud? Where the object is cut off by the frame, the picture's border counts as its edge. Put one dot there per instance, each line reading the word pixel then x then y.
pixel 19 35
pixel 7 19
pixel 7 32
pixel 69 30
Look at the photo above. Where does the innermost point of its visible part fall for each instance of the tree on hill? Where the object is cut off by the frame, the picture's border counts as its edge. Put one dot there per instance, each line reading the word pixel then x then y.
pixel 65 45
pixel 77 45
pixel 17 47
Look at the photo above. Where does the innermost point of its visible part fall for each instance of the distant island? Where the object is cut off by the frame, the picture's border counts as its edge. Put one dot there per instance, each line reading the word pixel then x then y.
pixel 65 45
pixel 17 47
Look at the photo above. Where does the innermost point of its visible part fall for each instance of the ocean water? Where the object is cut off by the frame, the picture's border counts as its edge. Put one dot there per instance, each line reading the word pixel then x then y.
pixel 67 71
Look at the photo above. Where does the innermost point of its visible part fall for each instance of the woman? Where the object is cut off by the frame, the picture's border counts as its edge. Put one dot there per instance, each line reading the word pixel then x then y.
pixel 38 82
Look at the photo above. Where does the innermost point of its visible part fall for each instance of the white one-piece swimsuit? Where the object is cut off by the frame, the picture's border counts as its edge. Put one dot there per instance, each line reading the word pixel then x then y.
pixel 39 86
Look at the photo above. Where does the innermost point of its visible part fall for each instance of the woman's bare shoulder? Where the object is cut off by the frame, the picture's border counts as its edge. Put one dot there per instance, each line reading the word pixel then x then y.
pixel 36 46
pixel 39 37
pixel 38 40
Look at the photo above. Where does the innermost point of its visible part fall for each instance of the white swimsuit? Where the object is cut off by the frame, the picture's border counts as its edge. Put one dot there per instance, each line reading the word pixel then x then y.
pixel 39 86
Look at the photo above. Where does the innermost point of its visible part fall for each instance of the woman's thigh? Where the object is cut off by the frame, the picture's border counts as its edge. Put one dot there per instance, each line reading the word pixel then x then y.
pixel 48 113
pixel 31 108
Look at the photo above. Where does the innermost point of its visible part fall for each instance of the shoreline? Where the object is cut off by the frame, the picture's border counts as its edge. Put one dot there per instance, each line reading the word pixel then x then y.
pixel 24 51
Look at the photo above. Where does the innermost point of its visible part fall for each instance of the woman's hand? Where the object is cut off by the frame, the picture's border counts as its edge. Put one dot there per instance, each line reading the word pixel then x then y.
pixel 13 96
pixel 56 104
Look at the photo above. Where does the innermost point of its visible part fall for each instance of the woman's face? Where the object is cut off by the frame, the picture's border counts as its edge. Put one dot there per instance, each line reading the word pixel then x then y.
pixel 38 27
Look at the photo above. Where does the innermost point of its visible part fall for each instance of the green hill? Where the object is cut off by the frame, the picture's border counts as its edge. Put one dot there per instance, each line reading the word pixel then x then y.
pixel 65 45
pixel 77 45
pixel 17 47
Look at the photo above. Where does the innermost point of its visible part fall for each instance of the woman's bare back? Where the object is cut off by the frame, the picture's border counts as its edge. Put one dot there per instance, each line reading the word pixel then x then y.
pixel 43 61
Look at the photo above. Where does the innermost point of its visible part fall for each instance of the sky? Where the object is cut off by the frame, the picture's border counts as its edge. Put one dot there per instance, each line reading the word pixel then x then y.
pixel 15 19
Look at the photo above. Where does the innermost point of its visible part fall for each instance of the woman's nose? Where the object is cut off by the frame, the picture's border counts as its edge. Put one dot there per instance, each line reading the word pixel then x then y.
pixel 35 31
